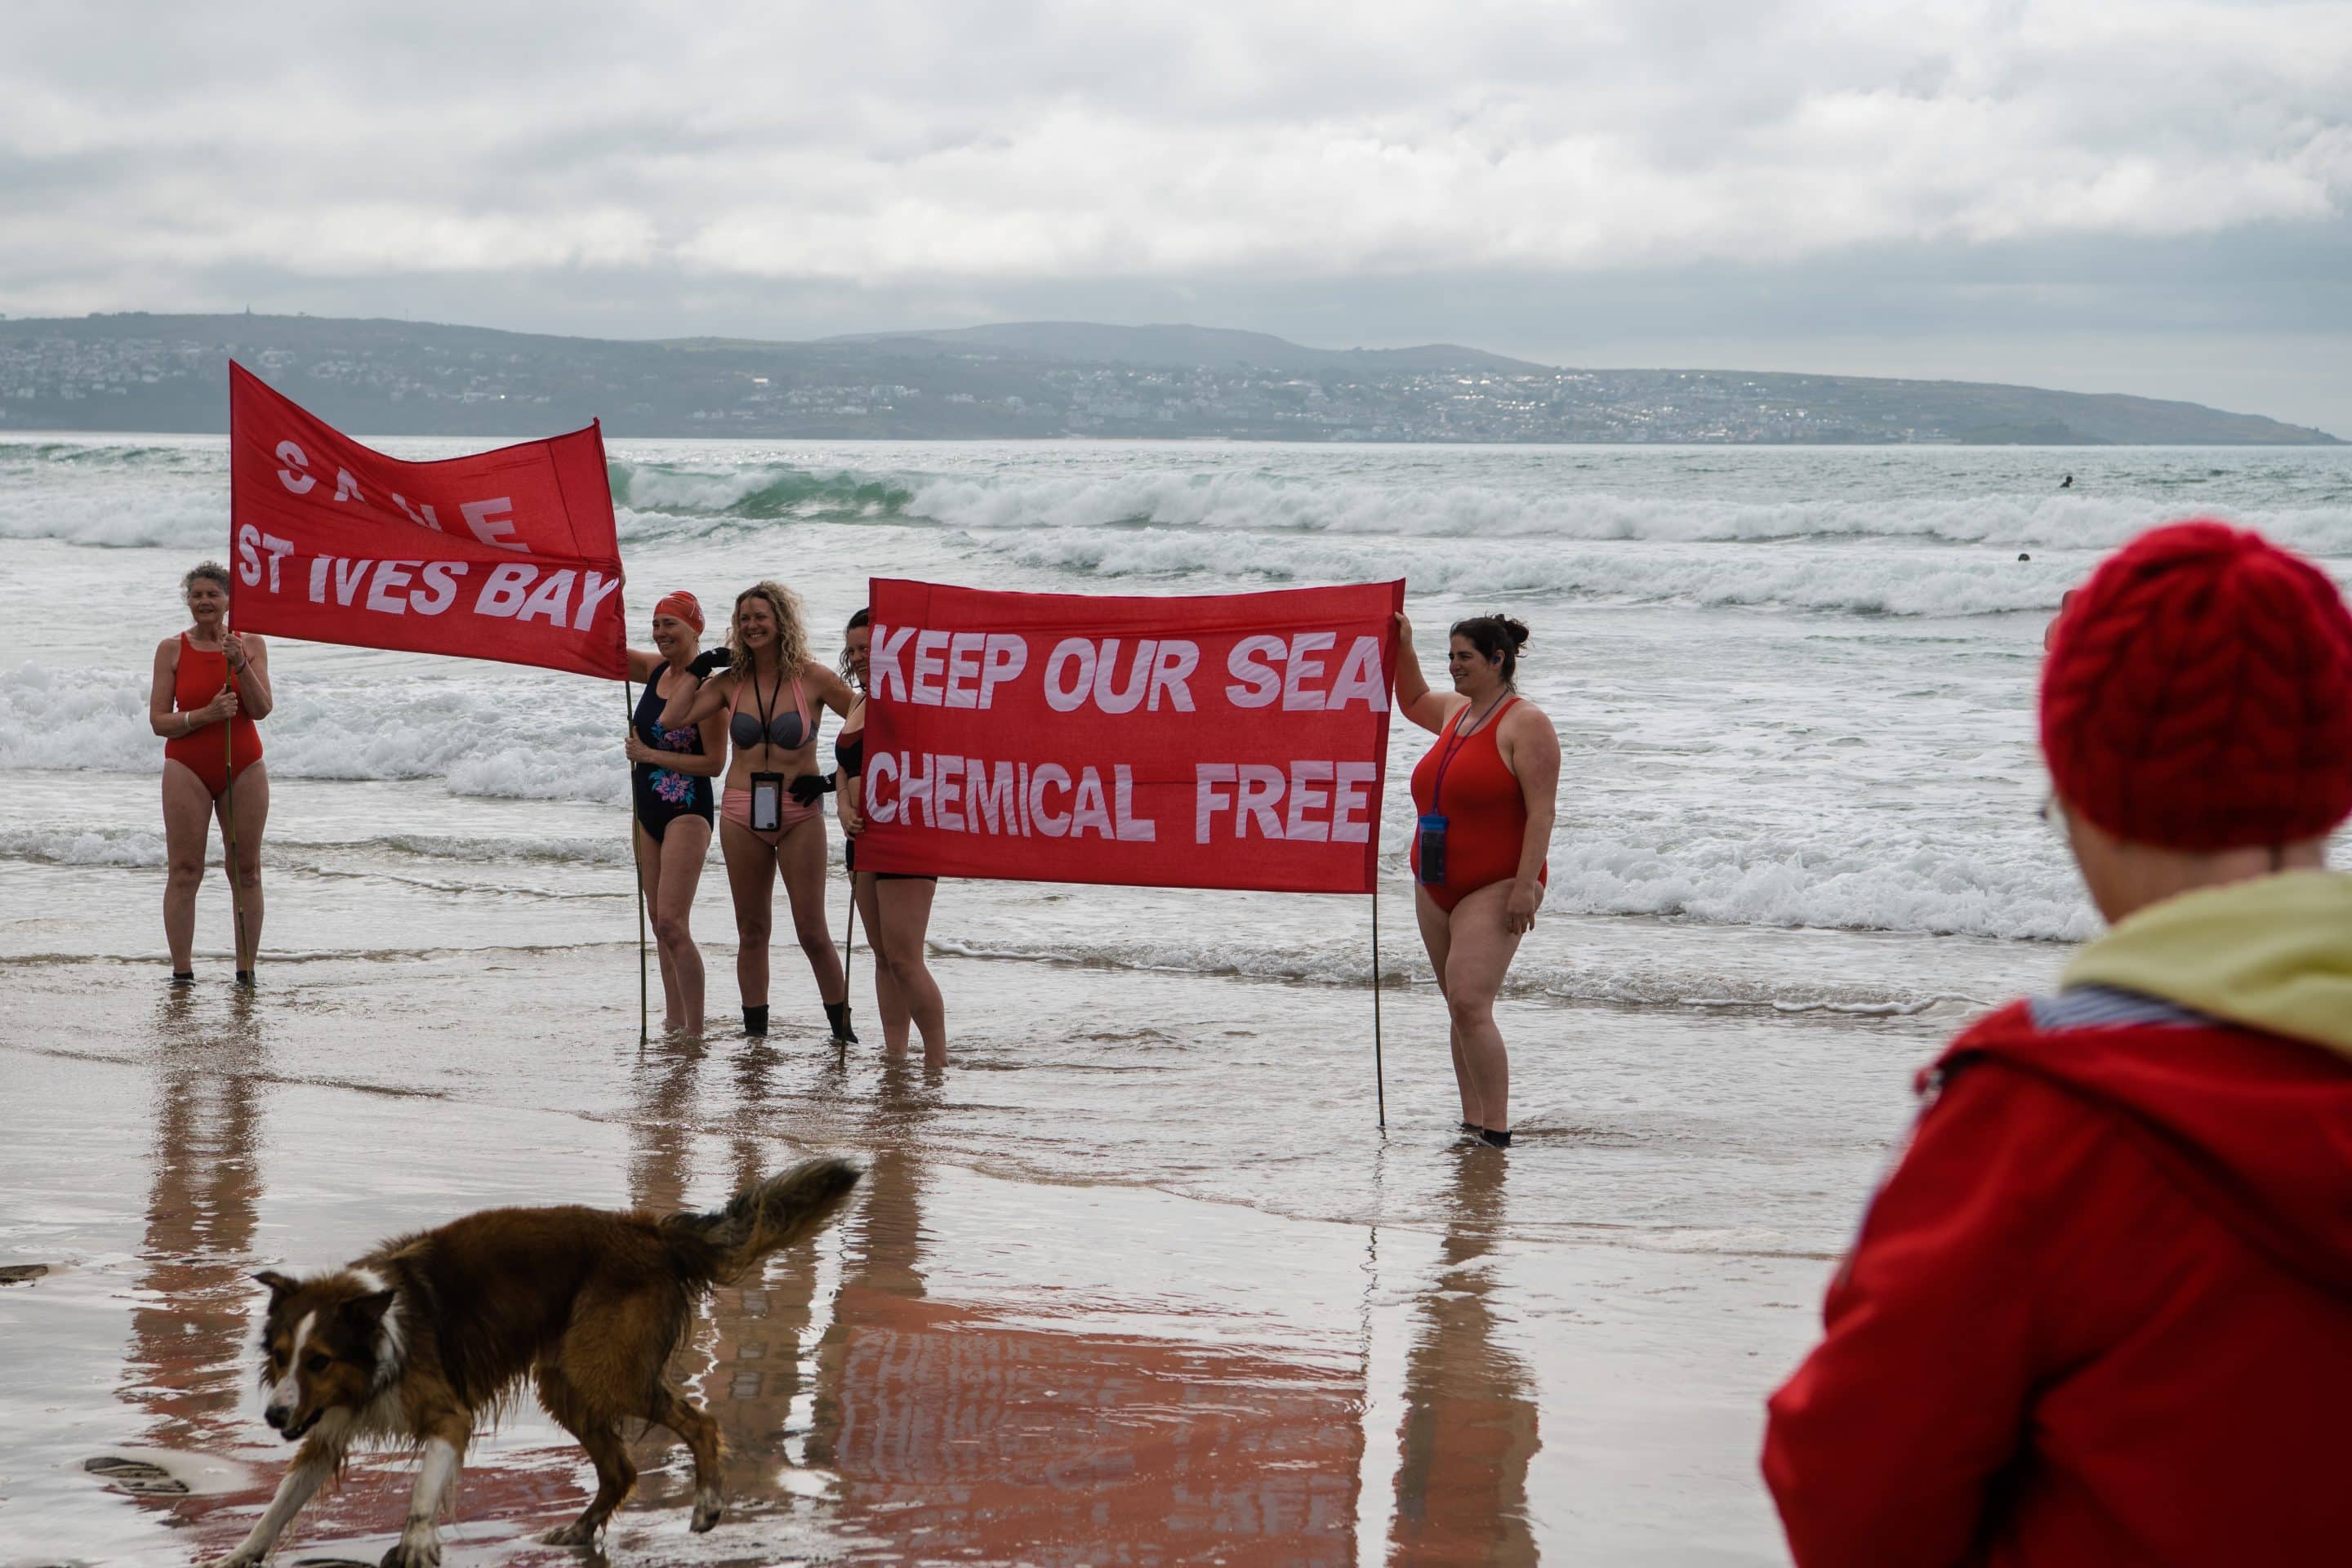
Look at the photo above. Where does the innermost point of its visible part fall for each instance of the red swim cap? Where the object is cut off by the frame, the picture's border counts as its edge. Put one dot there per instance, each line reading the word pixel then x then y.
pixel 683 605
pixel 2200 696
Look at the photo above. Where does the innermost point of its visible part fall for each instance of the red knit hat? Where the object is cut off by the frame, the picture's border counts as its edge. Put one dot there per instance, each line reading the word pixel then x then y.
pixel 2200 696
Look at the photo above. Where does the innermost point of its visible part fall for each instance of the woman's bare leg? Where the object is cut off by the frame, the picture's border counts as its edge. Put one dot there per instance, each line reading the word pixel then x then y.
pixel 905 904
pixel 1436 935
pixel 249 794
pixel 889 1002
pixel 670 890
pixel 752 877
pixel 1482 947
pixel 187 835
pixel 800 860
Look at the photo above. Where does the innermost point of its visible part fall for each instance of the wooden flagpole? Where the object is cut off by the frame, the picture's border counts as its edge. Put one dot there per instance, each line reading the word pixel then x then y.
pixel 244 963
pixel 848 948
pixel 1379 1075
pixel 629 701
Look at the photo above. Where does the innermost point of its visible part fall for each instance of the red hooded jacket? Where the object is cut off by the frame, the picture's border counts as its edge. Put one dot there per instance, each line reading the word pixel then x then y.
pixel 2100 1314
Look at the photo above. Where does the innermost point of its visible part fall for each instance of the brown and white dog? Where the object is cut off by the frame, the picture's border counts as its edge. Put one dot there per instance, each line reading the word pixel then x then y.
pixel 424 1340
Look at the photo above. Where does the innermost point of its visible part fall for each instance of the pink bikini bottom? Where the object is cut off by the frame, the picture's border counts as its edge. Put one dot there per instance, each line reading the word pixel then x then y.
pixel 735 805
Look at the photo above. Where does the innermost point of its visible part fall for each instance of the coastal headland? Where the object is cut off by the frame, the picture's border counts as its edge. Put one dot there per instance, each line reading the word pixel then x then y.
pixel 135 371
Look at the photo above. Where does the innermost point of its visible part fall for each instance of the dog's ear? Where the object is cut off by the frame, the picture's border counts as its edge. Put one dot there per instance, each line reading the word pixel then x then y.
pixel 366 1313
pixel 279 1286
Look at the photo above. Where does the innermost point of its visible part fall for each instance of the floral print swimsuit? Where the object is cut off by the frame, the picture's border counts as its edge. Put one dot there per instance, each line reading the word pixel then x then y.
pixel 664 796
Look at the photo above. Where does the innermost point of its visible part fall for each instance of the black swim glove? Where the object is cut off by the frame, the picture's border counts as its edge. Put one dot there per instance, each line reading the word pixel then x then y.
pixel 808 787
pixel 709 659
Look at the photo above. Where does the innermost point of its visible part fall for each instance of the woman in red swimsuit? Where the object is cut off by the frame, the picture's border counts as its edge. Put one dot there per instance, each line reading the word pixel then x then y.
pixel 1485 794
pixel 210 685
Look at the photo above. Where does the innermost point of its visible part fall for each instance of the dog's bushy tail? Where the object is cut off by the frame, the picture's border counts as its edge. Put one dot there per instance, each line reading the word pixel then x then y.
pixel 721 1246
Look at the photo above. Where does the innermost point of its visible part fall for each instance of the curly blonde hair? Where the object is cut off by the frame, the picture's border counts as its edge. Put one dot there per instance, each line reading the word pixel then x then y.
pixel 792 644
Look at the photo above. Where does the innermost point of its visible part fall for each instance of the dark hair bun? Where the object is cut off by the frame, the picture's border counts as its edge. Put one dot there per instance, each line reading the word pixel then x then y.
pixel 1496 637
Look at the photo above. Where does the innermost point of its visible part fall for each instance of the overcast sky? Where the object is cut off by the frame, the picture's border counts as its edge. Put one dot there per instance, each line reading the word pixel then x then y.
pixel 2140 195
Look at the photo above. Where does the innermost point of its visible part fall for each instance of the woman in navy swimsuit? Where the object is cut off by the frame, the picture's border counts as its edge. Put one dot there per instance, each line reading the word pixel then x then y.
pixel 671 780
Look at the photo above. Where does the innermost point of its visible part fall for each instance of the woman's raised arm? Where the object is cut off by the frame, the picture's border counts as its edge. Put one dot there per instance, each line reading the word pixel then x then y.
pixel 1414 699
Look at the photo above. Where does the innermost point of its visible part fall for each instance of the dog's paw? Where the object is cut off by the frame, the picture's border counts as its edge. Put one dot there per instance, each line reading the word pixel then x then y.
pixel 579 1532
pixel 413 1554
pixel 707 1510
pixel 242 1557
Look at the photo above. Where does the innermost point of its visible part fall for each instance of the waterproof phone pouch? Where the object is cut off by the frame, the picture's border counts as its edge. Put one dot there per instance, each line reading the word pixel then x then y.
pixel 1431 836
pixel 767 802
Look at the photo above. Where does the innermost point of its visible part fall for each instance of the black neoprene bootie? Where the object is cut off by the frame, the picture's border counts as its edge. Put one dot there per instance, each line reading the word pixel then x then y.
pixel 837 1014
pixel 755 1019
pixel 183 977
pixel 1496 1139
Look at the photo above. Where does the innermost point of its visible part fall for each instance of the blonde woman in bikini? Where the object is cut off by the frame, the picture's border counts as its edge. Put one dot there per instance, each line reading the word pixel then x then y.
pixel 769 692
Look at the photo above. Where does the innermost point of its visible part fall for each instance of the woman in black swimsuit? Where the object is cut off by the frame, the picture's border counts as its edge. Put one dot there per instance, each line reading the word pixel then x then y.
pixel 671 780
pixel 897 908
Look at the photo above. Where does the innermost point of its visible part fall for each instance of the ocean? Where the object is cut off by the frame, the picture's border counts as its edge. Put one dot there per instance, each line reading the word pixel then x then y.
pixel 1798 844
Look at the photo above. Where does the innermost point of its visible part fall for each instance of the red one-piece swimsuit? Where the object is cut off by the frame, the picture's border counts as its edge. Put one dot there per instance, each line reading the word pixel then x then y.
pixel 203 672
pixel 1486 817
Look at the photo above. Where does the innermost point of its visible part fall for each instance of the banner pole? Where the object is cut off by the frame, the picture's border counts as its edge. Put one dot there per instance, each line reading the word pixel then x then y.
pixel 1379 1075
pixel 629 702
pixel 848 949
pixel 245 962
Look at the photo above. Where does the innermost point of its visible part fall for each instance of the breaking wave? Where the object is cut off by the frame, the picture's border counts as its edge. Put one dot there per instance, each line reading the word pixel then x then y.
pixel 529 737
pixel 176 495
pixel 1247 502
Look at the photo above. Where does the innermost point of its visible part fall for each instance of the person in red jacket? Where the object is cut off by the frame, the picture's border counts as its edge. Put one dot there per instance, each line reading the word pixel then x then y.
pixel 2100 1312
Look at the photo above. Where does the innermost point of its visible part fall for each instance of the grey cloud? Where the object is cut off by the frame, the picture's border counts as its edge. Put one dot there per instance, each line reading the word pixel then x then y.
pixel 1523 175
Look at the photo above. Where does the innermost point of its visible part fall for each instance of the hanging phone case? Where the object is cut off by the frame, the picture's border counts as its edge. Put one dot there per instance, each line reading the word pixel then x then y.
pixel 1432 832
pixel 767 802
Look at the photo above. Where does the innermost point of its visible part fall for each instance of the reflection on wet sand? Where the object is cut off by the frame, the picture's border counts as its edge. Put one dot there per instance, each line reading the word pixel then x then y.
pixel 961 1435
pixel 1470 1413
pixel 960 1431
pixel 860 1401
pixel 741 1361
pixel 192 1360
pixel 187 1366
pixel 957 1431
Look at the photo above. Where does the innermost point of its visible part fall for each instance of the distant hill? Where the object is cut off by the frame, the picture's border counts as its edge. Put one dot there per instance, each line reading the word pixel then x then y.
pixel 151 372
pixel 1089 343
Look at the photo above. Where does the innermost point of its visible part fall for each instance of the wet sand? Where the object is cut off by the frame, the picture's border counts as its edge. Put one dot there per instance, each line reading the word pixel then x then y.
pixel 1176 1319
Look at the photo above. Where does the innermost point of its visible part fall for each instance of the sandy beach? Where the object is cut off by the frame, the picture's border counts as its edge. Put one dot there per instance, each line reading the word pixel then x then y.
pixel 1055 1350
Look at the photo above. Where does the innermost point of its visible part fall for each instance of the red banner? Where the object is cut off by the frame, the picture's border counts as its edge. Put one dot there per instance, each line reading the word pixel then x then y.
pixel 506 555
pixel 1228 741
